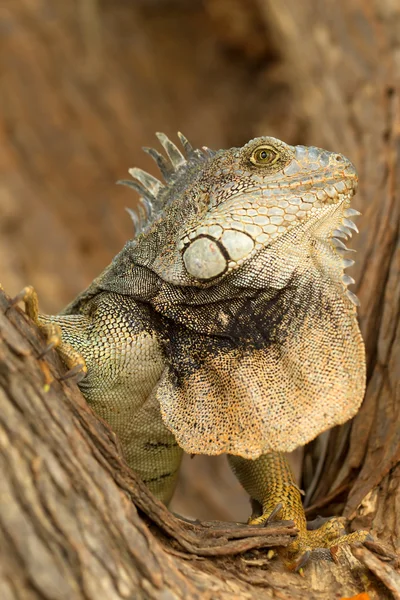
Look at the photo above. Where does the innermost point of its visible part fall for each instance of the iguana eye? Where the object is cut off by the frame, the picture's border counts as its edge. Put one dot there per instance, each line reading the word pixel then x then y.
pixel 264 155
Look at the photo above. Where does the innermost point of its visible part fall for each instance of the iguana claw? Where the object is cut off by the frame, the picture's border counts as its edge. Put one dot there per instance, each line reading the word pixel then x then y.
pixel 71 357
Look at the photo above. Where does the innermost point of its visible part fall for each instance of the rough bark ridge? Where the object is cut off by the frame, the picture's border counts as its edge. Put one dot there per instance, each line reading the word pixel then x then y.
pixel 320 73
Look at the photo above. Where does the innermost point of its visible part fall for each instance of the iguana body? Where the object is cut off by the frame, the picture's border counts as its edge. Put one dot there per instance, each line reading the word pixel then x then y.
pixel 226 326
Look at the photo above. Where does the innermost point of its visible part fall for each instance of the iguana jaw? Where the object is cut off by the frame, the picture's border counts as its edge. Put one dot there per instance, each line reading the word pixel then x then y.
pixel 222 244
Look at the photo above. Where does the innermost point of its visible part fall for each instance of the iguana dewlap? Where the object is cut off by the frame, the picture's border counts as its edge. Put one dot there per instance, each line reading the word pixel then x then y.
pixel 226 325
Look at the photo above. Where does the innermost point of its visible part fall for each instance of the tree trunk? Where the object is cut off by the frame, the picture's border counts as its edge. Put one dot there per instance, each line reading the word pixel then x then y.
pixel 80 92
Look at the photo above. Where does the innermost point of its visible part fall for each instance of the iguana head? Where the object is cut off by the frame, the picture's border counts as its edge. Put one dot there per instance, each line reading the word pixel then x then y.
pixel 243 257
pixel 218 210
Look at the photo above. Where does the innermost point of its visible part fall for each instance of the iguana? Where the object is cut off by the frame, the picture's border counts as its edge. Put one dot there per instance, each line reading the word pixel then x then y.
pixel 226 325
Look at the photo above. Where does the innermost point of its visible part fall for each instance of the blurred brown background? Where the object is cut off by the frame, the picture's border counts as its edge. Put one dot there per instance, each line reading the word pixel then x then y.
pixel 85 83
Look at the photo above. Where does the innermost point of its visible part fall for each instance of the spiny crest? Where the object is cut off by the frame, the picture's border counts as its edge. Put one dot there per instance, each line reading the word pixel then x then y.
pixel 151 190
pixel 345 231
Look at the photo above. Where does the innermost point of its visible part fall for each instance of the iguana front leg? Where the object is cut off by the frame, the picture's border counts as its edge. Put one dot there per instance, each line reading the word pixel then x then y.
pixel 271 486
pixel 72 358
pixel 113 342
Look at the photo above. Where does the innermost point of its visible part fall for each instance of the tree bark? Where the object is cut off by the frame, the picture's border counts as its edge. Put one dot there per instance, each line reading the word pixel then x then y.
pixel 75 522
